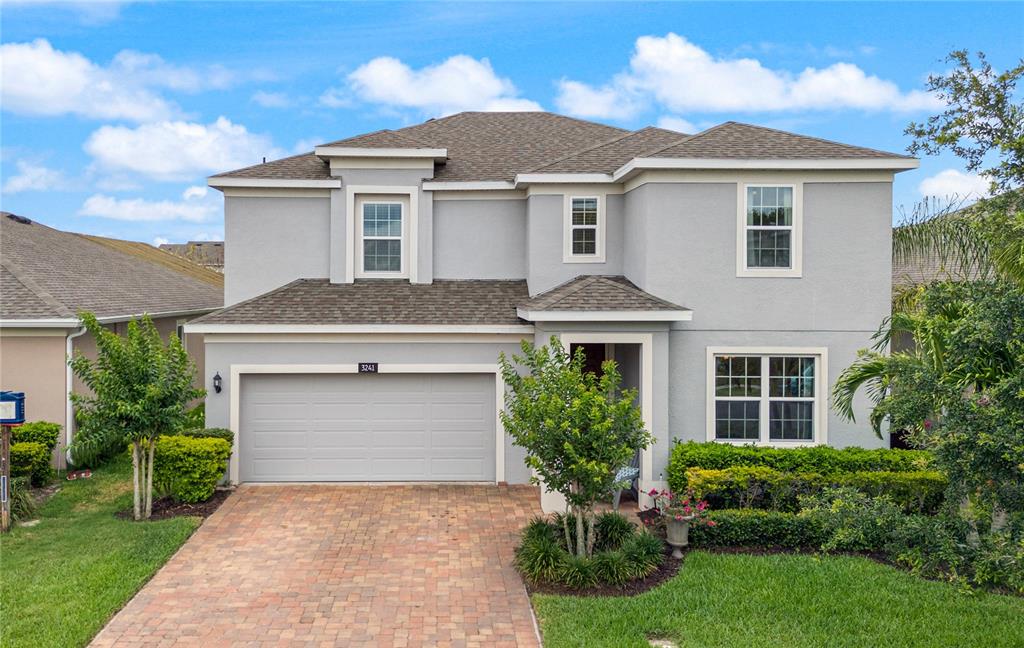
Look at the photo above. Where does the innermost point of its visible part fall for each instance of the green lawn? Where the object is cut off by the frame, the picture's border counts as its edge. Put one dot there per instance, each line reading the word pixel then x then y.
pixel 61 580
pixel 721 600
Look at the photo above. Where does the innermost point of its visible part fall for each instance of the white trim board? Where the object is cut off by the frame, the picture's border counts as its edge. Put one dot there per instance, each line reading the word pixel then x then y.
pixel 235 396
pixel 605 316
pixel 358 328
pixel 279 183
pixel 640 164
pixel 821 389
pixel 365 338
pixel 439 154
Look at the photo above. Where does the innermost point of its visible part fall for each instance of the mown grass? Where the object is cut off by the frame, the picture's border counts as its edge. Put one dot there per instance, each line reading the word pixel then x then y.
pixel 730 600
pixel 62 580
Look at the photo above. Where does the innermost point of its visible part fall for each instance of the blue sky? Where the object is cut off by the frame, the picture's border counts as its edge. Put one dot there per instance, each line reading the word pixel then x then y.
pixel 114 113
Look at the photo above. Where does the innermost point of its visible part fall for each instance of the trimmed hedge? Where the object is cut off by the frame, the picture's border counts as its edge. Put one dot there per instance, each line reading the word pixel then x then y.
pixel 189 468
pixel 757 528
pixel 823 460
pixel 761 487
pixel 42 432
pixel 32 460
pixel 210 433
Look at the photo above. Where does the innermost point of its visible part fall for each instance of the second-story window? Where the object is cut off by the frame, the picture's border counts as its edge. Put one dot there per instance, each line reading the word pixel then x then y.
pixel 769 242
pixel 382 238
pixel 584 224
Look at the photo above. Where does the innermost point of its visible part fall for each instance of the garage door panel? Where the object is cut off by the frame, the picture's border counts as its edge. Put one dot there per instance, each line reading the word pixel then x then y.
pixel 383 427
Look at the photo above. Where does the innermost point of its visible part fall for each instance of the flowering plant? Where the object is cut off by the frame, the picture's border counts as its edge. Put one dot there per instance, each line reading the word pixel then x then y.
pixel 683 507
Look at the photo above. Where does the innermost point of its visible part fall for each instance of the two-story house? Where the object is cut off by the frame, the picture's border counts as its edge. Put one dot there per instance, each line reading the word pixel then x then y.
pixel 372 284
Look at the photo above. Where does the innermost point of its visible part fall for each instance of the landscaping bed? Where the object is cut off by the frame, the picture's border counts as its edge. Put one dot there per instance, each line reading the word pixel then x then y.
pixel 166 507
pixel 668 568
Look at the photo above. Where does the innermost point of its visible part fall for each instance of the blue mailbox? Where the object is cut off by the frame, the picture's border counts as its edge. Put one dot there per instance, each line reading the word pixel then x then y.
pixel 12 408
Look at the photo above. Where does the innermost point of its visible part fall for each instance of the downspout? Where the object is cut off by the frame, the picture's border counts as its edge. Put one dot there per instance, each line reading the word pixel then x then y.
pixel 69 414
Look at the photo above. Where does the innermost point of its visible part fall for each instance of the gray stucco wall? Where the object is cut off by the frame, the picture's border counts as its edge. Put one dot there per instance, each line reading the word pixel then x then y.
pixel 220 356
pixel 272 241
pixel 480 239
pixel 545 233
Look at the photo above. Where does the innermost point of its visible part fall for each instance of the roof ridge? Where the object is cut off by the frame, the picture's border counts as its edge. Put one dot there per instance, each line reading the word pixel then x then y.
pixel 818 139
pixel 689 138
pixel 25 280
pixel 547 301
pixel 175 263
pixel 630 287
pixel 617 138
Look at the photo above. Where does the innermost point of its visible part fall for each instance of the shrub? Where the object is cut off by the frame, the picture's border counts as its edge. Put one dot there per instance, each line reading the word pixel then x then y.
pixel 823 460
pixel 23 506
pixel 210 433
pixel 919 491
pixel 32 460
pixel 189 468
pixel 999 562
pixel 540 557
pixel 612 530
pixel 851 520
pixel 643 552
pixel 42 432
pixel 757 528
pixel 578 572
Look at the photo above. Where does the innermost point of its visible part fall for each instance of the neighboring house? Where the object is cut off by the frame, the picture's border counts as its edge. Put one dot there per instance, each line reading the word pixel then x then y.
pixel 209 254
pixel 373 283
pixel 48 276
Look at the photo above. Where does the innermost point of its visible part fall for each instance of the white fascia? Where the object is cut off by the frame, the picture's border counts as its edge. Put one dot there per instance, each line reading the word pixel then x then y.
pixel 605 316
pixel 40 323
pixel 483 185
pixel 852 164
pixel 563 178
pixel 275 183
pixel 356 328
pixel 438 154
pixel 112 319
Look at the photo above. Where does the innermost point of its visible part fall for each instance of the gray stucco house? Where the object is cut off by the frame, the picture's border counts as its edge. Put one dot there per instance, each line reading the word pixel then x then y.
pixel 371 285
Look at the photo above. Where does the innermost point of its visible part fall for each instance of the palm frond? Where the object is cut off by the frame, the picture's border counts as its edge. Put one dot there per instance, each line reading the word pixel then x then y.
pixel 944 241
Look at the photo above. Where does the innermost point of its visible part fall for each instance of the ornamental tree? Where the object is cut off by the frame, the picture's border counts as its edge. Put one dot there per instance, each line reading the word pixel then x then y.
pixel 578 429
pixel 139 388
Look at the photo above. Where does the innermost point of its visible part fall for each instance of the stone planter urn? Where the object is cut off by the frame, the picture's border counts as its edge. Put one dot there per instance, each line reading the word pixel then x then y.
pixel 678 534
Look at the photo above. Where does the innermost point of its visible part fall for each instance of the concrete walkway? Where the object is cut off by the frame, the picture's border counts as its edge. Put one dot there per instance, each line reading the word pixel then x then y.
pixel 330 565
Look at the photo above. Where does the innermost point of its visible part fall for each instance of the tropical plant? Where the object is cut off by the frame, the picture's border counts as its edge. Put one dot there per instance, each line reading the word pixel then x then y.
pixel 139 389
pixel 577 428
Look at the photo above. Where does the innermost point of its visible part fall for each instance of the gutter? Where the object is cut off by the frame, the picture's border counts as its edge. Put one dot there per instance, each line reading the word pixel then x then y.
pixel 69 414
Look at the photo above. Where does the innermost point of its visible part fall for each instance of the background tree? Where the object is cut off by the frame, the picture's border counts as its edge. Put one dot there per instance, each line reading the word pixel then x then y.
pixel 578 429
pixel 140 388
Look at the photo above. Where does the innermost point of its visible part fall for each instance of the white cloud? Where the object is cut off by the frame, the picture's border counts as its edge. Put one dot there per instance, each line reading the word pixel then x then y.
pixel 41 80
pixel 683 77
pixel 271 99
pixel 177 150
pixel 193 207
pixel 159 240
pixel 951 183
pixel 677 124
pixel 34 177
pixel 196 191
pixel 458 83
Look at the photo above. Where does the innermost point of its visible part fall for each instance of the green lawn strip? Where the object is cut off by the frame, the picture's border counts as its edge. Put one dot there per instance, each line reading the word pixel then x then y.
pixel 62 580
pixel 722 600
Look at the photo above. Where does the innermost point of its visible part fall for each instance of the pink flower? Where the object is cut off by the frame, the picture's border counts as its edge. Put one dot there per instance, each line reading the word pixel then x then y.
pixel 653 493
pixel 679 518
pixel 712 523
pixel 927 424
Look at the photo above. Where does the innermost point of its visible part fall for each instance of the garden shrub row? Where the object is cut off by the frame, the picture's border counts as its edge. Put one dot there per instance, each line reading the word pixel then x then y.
pixel 188 468
pixel 919 491
pixel 823 460
pixel 31 460
pixel 757 528
pixel 42 432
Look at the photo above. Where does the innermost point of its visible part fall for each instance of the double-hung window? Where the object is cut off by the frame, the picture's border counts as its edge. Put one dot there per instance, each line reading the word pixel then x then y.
pixel 770 229
pixel 766 398
pixel 584 229
pixel 382 238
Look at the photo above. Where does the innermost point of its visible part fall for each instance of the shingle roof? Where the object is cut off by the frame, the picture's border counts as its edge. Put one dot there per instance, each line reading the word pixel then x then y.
pixel 49 273
pixel 209 254
pixel 745 141
pixel 486 146
pixel 380 301
pixel 606 157
pixel 598 293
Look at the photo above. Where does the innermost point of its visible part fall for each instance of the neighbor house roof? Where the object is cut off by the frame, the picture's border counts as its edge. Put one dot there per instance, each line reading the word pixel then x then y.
pixel 498 146
pixel 208 254
pixel 48 274
pixel 598 293
pixel 379 302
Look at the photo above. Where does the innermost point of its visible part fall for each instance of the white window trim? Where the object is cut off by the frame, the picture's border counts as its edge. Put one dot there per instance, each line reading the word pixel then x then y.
pixel 235 396
pixel 821 384
pixel 403 268
pixel 411 231
pixel 796 254
pixel 567 227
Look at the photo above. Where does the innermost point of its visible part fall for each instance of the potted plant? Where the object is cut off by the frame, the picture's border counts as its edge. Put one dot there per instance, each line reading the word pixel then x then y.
pixel 679 511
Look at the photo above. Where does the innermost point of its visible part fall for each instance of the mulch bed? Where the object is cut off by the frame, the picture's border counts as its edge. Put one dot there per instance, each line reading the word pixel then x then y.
pixel 669 568
pixel 165 508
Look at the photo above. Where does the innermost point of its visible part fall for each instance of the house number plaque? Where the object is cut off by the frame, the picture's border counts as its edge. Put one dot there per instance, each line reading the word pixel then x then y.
pixel 367 367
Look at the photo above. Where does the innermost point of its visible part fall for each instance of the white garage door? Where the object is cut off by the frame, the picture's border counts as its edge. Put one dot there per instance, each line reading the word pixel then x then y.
pixel 367 427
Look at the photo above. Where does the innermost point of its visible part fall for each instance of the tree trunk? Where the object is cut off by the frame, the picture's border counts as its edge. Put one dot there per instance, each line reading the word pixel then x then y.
pixel 136 502
pixel 149 480
pixel 568 536
pixel 591 534
pixel 581 536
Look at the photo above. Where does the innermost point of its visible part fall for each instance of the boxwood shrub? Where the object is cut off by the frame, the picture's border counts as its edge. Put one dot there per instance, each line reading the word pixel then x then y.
pixel 210 433
pixel 758 528
pixel 42 432
pixel 919 491
pixel 189 468
pixel 31 460
pixel 823 460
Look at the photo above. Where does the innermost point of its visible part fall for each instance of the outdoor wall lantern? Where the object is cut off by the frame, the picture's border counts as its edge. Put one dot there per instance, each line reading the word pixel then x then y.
pixel 217 382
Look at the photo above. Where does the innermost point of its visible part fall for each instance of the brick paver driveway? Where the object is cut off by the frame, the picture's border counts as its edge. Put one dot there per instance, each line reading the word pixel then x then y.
pixel 334 565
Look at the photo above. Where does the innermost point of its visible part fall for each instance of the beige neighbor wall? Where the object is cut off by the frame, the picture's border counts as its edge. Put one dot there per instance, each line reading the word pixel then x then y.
pixel 32 361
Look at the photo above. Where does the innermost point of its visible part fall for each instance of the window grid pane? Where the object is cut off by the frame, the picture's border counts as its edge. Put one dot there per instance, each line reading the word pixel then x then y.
pixel 769 227
pixel 791 377
pixel 382 255
pixel 584 211
pixel 789 398
pixel 584 240
pixel 768 248
pixel 737 420
pixel 382 219
pixel 738 376
pixel 791 420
